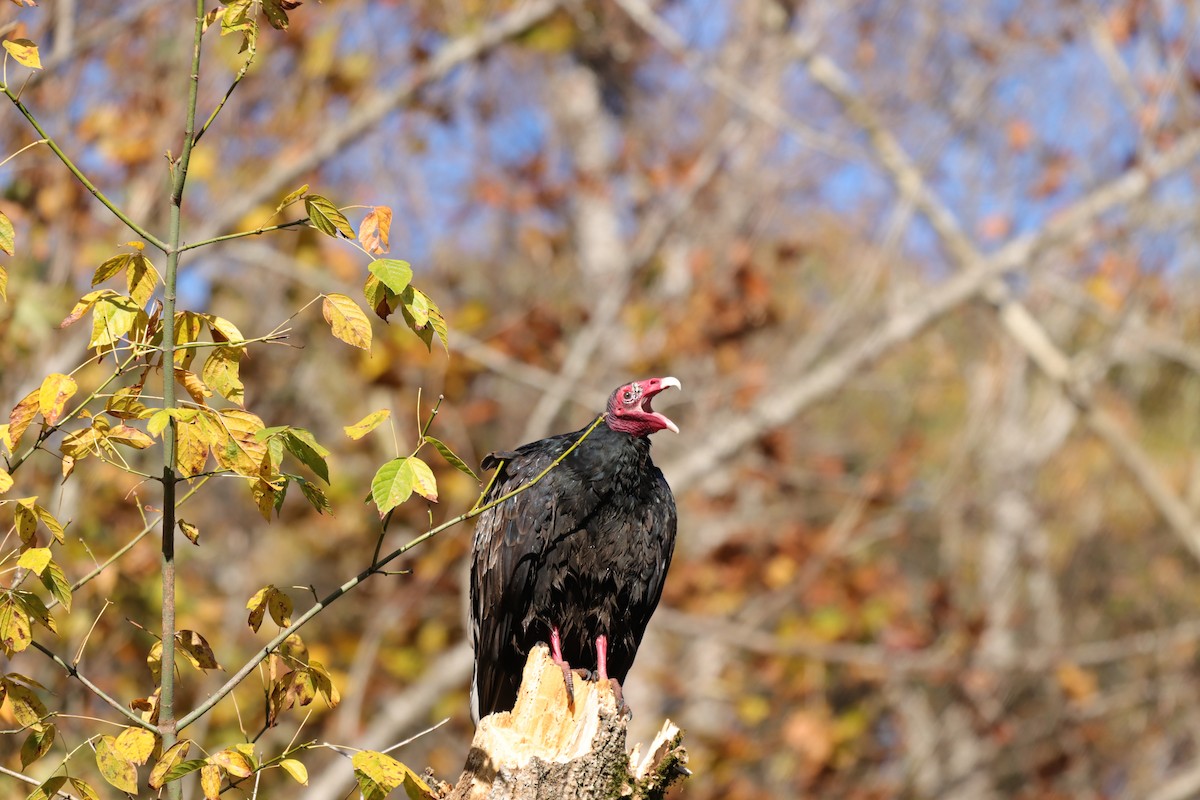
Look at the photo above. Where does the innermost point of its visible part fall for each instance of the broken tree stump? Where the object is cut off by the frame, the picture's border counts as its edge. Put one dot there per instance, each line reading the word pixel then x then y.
pixel 548 748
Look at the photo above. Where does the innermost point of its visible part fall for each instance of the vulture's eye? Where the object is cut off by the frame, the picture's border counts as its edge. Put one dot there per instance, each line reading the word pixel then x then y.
pixel 628 396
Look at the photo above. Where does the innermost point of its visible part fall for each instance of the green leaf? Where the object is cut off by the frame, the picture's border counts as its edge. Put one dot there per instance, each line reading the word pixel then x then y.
pixel 24 52
pixel 36 609
pixel 48 789
pixel 393 273
pixel 183 768
pixel 367 424
pixel 118 771
pixel 53 525
pixel 55 581
pixel 315 495
pixel 291 197
pixel 37 744
pixel 35 559
pixel 382 300
pixel 347 320
pixel 304 447
pixel 452 459
pixel 423 316
pixel 326 218
pixel 8 238
pixel 392 485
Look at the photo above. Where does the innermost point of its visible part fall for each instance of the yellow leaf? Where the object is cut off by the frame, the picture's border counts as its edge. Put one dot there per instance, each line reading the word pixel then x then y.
pixel 296 769
pixel 192 384
pixel 169 759
pixel 3 284
pixel 15 636
pixel 191 450
pixel 24 52
pixel 142 279
pixel 222 329
pixel 6 481
pixel 424 483
pixel 35 559
pixel 135 744
pixel 118 771
pixel 7 237
pixel 367 424
pixel 190 531
pixel 220 371
pixel 347 320
pixel 233 762
pixel 53 395
pixel 123 434
pixel 379 774
pixel 237 449
pixel 210 781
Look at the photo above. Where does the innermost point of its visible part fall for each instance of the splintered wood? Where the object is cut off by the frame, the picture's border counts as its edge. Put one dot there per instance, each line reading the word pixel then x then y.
pixel 547 747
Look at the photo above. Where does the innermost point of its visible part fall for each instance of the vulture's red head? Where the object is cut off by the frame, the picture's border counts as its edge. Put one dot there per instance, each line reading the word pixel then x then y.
pixel 629 408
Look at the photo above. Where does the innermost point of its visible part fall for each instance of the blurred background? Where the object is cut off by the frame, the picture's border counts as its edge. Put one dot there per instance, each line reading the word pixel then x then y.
pixel 927 272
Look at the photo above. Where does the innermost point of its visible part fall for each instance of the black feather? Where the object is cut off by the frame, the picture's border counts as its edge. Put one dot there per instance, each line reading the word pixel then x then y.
pixel 585 550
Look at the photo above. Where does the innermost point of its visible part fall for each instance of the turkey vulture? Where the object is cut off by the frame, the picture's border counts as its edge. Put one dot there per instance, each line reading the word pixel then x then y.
pixel 578 559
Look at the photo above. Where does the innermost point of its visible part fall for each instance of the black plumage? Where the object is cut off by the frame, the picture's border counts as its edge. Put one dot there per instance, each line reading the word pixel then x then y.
pixel 580 558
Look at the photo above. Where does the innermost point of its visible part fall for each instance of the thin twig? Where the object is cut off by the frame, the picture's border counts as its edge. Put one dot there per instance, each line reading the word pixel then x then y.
pixel 375 569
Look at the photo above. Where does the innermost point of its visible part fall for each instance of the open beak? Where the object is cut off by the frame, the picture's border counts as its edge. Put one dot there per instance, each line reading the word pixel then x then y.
pixel 651 390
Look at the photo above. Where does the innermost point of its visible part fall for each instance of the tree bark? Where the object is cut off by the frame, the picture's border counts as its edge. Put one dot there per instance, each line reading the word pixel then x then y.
pixel 549 747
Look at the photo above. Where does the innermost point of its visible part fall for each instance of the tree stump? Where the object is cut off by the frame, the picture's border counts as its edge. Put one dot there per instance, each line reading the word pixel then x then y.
pixel 549 748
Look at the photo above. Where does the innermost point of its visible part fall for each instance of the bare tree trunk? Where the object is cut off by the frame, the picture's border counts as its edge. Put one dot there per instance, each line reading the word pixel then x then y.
pixel 547 747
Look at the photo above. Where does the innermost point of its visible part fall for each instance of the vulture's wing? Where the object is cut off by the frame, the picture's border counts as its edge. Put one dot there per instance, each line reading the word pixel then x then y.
pixel 509 542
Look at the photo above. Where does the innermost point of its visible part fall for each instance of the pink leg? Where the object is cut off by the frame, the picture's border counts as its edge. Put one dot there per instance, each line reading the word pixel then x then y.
pixel 556 646
pixel 557 656
pixel 602 657
pixel 602 671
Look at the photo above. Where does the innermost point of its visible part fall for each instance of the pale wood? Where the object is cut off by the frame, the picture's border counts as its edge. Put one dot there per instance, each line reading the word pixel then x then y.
pixel 547 747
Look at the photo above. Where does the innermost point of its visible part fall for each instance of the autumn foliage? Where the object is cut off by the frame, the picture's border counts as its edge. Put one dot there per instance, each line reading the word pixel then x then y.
pixel 927 275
